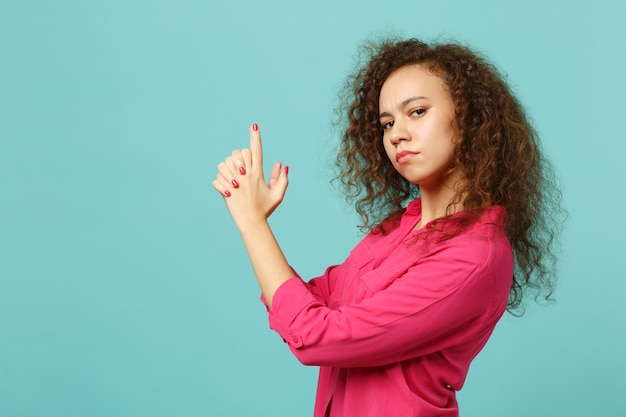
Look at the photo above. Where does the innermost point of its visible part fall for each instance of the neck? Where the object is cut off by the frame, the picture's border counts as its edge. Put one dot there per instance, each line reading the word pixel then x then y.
pixel 435 201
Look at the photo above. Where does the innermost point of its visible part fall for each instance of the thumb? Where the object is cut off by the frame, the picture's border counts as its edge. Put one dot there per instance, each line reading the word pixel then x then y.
pixel 279 179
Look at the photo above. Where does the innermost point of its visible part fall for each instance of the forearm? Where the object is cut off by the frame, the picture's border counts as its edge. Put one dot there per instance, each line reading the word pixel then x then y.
pixel 268 261
pixel 250 201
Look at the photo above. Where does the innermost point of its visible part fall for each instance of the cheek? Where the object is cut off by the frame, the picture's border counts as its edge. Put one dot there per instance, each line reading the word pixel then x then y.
pixel 449 152
pixel 441 151
pixel 446 146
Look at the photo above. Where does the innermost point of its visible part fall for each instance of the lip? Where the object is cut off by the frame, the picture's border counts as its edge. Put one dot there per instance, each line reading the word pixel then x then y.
pixel 404 156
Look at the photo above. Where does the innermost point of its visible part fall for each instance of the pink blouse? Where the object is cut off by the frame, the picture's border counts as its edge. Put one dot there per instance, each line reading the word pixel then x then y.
pixel 395 327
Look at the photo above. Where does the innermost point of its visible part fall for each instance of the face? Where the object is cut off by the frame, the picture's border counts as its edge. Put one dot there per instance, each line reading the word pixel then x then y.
pixel 418 122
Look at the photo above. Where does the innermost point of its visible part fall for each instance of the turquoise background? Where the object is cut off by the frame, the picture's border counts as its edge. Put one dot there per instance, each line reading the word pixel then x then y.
pixel 124 288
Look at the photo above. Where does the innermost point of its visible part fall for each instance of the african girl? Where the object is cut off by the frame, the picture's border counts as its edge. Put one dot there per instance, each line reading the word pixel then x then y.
pixel 449 180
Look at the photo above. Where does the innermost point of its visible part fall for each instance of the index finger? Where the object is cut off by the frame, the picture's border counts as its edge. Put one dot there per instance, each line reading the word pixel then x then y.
pixel 255 147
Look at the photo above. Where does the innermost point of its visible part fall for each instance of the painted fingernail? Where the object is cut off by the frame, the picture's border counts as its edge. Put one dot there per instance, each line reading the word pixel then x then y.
pixel 255 127
pixel 242 170
pixel 235 183
pixel 227 193
pixel 286 169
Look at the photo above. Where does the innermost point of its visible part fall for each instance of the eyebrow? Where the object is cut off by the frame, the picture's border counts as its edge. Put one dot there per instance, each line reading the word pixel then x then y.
pixel 403 104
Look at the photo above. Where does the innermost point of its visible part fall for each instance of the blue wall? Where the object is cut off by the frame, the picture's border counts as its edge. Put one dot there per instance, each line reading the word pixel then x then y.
pixel 124 288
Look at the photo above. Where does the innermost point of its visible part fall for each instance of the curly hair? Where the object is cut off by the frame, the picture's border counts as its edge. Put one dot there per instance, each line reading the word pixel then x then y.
pixel 498 152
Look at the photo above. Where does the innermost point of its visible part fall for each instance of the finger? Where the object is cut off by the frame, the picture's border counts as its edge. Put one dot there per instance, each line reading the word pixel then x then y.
pixel 238 162
pixel 234 163
pixel 280 183
pixel 256 148
pixel 225 182
pixel 279 179
pixel 226 169
pixel 219 187
pixel 275 174
pixel 247 159
pixel 283 180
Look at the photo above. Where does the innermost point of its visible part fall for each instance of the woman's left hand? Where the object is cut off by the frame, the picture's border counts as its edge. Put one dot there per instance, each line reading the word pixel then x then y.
pixel 241 181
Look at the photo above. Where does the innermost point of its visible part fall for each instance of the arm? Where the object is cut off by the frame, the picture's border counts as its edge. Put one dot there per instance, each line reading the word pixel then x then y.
pixel 452 298
pixel 250 201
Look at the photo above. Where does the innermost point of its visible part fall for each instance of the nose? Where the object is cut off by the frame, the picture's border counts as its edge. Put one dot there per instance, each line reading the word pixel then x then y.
pixel 398 132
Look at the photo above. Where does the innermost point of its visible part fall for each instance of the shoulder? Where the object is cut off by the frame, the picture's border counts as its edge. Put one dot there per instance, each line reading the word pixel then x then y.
pixel 488 229
pixel 482 248
pixel 485 239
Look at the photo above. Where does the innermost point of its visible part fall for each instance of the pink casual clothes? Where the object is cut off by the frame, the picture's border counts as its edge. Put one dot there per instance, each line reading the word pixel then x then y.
pixel 395 327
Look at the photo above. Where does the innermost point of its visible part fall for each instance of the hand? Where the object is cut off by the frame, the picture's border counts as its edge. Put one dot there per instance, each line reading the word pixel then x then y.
pixel 240 180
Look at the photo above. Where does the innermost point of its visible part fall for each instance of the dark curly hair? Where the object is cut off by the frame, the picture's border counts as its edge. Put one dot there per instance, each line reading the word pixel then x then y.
pixel 498 153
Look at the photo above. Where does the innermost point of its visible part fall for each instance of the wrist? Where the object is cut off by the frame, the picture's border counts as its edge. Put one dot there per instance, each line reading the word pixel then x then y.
pixel 251 225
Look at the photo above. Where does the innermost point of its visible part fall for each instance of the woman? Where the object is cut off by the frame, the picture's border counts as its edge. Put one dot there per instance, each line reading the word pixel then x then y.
pixel 395 327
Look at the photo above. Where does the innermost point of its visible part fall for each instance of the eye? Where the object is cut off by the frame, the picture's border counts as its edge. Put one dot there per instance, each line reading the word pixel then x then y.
pixel 387 126
pixel 418 112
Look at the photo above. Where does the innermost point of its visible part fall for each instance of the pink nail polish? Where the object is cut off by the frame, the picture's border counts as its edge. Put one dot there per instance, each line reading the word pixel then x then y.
pixel 227 193
pixel 255 127
pixel 235 183
pixel 242 170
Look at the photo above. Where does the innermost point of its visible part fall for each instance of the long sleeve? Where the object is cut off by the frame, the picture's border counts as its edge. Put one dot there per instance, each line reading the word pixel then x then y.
pixel 402 311
pixel 321 286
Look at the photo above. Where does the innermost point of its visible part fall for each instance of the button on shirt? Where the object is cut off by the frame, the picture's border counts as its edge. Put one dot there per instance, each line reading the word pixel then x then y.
pixel 395 326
